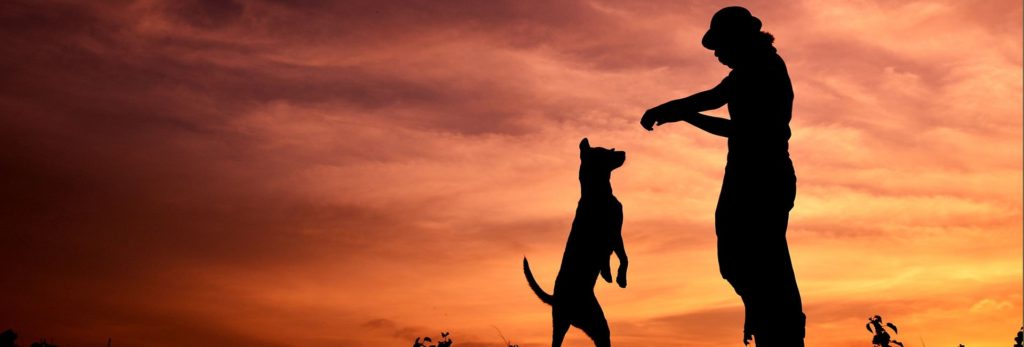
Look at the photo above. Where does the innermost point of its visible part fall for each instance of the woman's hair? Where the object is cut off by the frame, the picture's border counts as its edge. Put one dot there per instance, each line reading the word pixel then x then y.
pixel 762 41
pixel 764 38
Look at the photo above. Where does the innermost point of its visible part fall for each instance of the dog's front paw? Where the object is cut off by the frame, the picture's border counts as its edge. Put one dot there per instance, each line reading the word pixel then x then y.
pixel 606 275
pixel 621 280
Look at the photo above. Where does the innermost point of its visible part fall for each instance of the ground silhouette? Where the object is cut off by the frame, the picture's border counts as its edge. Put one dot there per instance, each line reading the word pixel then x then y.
pixel 759 186
pixel 596 233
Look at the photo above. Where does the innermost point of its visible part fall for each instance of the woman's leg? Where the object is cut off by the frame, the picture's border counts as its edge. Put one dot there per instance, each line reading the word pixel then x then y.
pixel 774 292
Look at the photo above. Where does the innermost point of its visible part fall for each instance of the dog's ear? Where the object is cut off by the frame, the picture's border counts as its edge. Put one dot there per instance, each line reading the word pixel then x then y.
pixel 584 147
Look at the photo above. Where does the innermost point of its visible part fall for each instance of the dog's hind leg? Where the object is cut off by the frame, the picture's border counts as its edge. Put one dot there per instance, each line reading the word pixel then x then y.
pixel 560 326
pixel 594 324
pixel 600 334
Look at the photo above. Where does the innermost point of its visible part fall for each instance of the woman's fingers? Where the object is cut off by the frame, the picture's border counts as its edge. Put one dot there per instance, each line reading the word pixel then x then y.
pixel 651 118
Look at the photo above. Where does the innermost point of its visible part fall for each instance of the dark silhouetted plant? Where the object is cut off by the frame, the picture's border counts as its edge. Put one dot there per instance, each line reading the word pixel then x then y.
pixel 7 338
pixel 882 338
pixel 503 339
pixel 42 343
pixel 444 341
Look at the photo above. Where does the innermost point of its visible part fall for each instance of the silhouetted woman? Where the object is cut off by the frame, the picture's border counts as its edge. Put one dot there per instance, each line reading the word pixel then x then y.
pixel 759 184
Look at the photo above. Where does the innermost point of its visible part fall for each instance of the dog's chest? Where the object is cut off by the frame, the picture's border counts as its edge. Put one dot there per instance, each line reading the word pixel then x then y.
pixel 594 223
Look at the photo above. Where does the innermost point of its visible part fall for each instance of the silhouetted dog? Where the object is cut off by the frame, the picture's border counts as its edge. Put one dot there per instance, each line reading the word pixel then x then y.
pixel 596 233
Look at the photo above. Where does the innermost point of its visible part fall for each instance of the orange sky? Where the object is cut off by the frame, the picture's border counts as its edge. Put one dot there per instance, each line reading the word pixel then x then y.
pixel 260 173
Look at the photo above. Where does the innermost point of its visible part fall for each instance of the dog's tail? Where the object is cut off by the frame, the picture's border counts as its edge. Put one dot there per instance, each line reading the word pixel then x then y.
pixel 545 297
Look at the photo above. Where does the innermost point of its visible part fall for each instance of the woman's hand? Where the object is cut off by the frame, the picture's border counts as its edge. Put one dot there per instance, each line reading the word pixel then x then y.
pixel 649 118
pixel 661 114
pixel 655 116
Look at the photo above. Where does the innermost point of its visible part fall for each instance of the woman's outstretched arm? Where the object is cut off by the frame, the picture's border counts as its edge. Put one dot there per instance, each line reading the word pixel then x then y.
pixel 686 109
pixel 714 125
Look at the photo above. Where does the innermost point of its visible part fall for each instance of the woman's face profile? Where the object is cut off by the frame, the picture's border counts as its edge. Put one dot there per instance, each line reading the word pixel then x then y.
pixel 727 56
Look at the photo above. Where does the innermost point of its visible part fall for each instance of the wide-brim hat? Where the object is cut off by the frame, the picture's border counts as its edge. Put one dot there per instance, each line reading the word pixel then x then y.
pixel 730 24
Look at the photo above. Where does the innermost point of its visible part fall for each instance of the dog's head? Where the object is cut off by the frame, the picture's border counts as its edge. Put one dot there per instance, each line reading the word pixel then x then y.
pixel 599 160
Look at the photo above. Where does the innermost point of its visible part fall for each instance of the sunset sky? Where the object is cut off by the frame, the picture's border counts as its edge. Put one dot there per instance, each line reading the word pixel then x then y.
pixel 360 173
